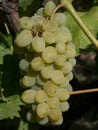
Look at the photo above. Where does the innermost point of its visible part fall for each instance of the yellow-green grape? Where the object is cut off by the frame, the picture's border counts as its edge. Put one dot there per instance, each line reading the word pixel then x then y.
pixel 26 23
pixel 72 61
pixel 43 121
pixel 28 81
pixel 58 122
pixel 28 96
pixel 49 7
pixel 36 87
pixel 50 88
pixel 31 116
pixel 40 11
pixel 54 114
pixel 53 102
pixel 50 26
pixel 59 18
pixel 49 54
pixel 64 106
pixel 62 94
pixel 70 52
pixel 37 64
pixel 60 60
pixel 38 20
pixel 60 47
pixel 24 38
pixel 69 87
pixel 23 65
pixel 69 76
pixel 71 44
pixel 42 110
pixel 41 96
pixel 40 80
pixel 57 77
pixel 65 83
pixel 38 44
pixel 47 71
pixel 49 37
pixel 66 68
pixel 63 35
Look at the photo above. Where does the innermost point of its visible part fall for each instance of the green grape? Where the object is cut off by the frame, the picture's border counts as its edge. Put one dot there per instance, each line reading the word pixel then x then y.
pixel 66 68
pixel 58 122
pixel 49 7
pixel 47 71
pixel 36 87
pixel 41 96
pixel 38 20
pixel 60 47
pixel 39 80
pixel 72 61
pixel 38 44
pixel 24 38
pixel 57 77
pixel 62 94
pixel 70 52
pixel 28 96
pixel 64 106
pixel 69 87
pixel 59 18
pixel 53 102
pixel 31 116
pixel 37 64
pixel 49 54
pixel 28 81
pixel 66 82
pixel 26 23
pixel 43 121
pixel 54 114
pixel 42 110
pixel 50 88
pixel 49 37
pixel 71 44
pixel 60 60
pixel 69 76
pixel 40 11
pixel 49 25
pixel 23 65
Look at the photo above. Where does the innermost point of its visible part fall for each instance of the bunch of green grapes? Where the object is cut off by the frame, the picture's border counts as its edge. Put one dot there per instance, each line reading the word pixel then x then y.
pixel 46 63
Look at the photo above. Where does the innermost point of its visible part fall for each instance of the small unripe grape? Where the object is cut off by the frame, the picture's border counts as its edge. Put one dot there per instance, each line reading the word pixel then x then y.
pixel 72 61
pixel 70 52
pixel 23 65
pixel 53 102
pixel 59 18
pixel 50 88
pixel 61 47
pixel 24 38
pixel 41 96
pixel 37 64
pixel 49 54
pixel 40 11
pixel 28 96
pixel 54 114
pixel 42 110
pixel 62 94
pixel 64 106
pixel 57 77
pixel 38 44
pixel 49 7
pixel 28 81
pixel 47 71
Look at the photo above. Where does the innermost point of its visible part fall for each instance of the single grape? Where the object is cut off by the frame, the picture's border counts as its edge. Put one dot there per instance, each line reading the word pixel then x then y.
pixel 24 38
pixel 69 76
pixel 28 96
pixel 60 47
pixel 58 122
pixel 38 20
pixel 38 44
pixel 40 11
pixel 69 87
pixel 41 96
pixel 40 80
pixel 23 65
pixel 37 64
pixel 36 87
pixel 49 54
pixel 64 106
pixel 72 61
pixel 42 110
pixel 70 52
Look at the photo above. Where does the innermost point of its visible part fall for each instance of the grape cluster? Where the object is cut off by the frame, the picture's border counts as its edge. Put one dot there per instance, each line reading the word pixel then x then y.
pixel 46 62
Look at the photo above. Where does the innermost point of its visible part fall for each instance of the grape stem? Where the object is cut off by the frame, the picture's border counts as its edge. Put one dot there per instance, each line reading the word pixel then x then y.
pixel 84 91
pixel 67 4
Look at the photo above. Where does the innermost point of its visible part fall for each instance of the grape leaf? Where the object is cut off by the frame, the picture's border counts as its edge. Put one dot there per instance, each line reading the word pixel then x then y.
pixel 25 3
pixel 79 38
pixel 11 108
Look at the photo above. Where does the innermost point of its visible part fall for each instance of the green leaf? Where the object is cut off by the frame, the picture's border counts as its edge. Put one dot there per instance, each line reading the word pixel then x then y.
pixel 25 3
pixel 11 108
pixel 79 38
